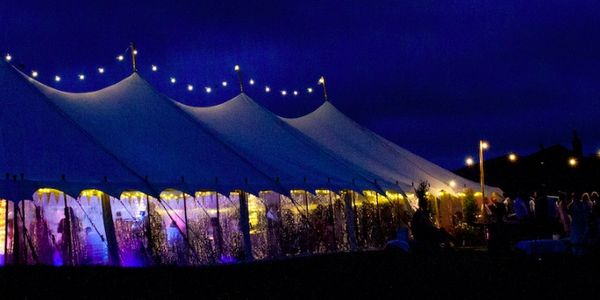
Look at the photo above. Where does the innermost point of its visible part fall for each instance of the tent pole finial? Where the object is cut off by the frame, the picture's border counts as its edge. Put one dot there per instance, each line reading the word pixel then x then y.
pixel 133 54
pixel 322 82
pixel 238 70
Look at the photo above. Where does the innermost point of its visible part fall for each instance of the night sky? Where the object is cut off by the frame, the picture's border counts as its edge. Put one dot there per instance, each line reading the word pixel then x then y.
pixel 434 77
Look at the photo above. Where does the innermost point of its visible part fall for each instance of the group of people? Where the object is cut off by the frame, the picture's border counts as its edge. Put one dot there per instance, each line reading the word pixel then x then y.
pixel 573 217
pixel 74 245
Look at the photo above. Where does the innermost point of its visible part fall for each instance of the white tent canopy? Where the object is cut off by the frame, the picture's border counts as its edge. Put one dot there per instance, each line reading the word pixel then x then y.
pixel 151 135
pixel 41 147
pixel 280 150
pixel 335 131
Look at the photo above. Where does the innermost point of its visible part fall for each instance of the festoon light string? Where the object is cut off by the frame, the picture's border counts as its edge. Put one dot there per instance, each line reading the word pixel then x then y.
pixel 189 86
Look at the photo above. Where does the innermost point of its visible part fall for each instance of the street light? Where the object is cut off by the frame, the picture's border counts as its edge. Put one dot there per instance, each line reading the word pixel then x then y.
pixel 483 145
pixel 512 157
pixel 573 162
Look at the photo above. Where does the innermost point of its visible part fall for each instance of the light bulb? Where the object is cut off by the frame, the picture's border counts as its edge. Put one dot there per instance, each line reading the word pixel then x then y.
pixel 469 161
pixel 267 89
pixel 190 87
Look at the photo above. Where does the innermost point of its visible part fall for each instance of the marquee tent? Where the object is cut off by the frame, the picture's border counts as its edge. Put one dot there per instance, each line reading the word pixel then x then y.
pixel 335 131
pixel 151 135
pixel 280 150
pixel 42 147
pixel 128 138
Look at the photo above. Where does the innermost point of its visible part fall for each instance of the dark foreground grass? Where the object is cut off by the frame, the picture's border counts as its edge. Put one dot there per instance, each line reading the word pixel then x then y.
pixel 365 275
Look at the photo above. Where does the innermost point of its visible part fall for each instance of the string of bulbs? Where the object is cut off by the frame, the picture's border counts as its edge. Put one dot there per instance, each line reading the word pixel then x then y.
pixel 173 80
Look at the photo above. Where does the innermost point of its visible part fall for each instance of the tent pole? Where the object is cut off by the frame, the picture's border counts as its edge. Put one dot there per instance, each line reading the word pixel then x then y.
pixel 67 231
pixel 16 236
pixel 25 256
pixel 187 226
pixel 350 220
pixel 332 216
pixel 150 240
pixel 357 223
pixel 5 231
pixel 245 225
pixel 379 225
pixel 308 227
pixel 239 74
pixel 109 230
pixel 219 230
pixel 322 82
pixel 133 54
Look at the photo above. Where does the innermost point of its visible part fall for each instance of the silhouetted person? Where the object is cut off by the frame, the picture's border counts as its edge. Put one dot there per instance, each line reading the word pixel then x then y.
pixel 581 209
pixel 427 236
pixel 41 237
pixel 498 237
pixel 70 228
pixel 563 215
pixel 520 208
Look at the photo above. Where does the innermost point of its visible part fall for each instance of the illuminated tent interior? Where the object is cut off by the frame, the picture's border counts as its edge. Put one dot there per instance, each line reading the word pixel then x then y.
pixel 126 176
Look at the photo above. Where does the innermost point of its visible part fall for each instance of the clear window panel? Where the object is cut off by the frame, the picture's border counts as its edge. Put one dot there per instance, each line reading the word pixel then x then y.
pixel 233 248
pixel 257 216
pixel 171 210
pixel 129 215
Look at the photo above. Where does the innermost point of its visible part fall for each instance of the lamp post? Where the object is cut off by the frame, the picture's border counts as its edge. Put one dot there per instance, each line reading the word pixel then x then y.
pixel 483 145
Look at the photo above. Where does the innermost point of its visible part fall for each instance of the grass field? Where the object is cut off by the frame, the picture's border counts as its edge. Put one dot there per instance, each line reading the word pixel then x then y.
pixel 365 275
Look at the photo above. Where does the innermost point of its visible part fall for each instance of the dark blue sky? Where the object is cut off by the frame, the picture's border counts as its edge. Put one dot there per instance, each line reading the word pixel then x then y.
pixel 432 76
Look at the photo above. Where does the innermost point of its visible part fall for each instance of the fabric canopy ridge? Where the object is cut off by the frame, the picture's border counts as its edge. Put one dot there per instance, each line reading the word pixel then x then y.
pixel 280 150
pixel 129 136
pixel 335 131
pixel 151 135
pixel 41 147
